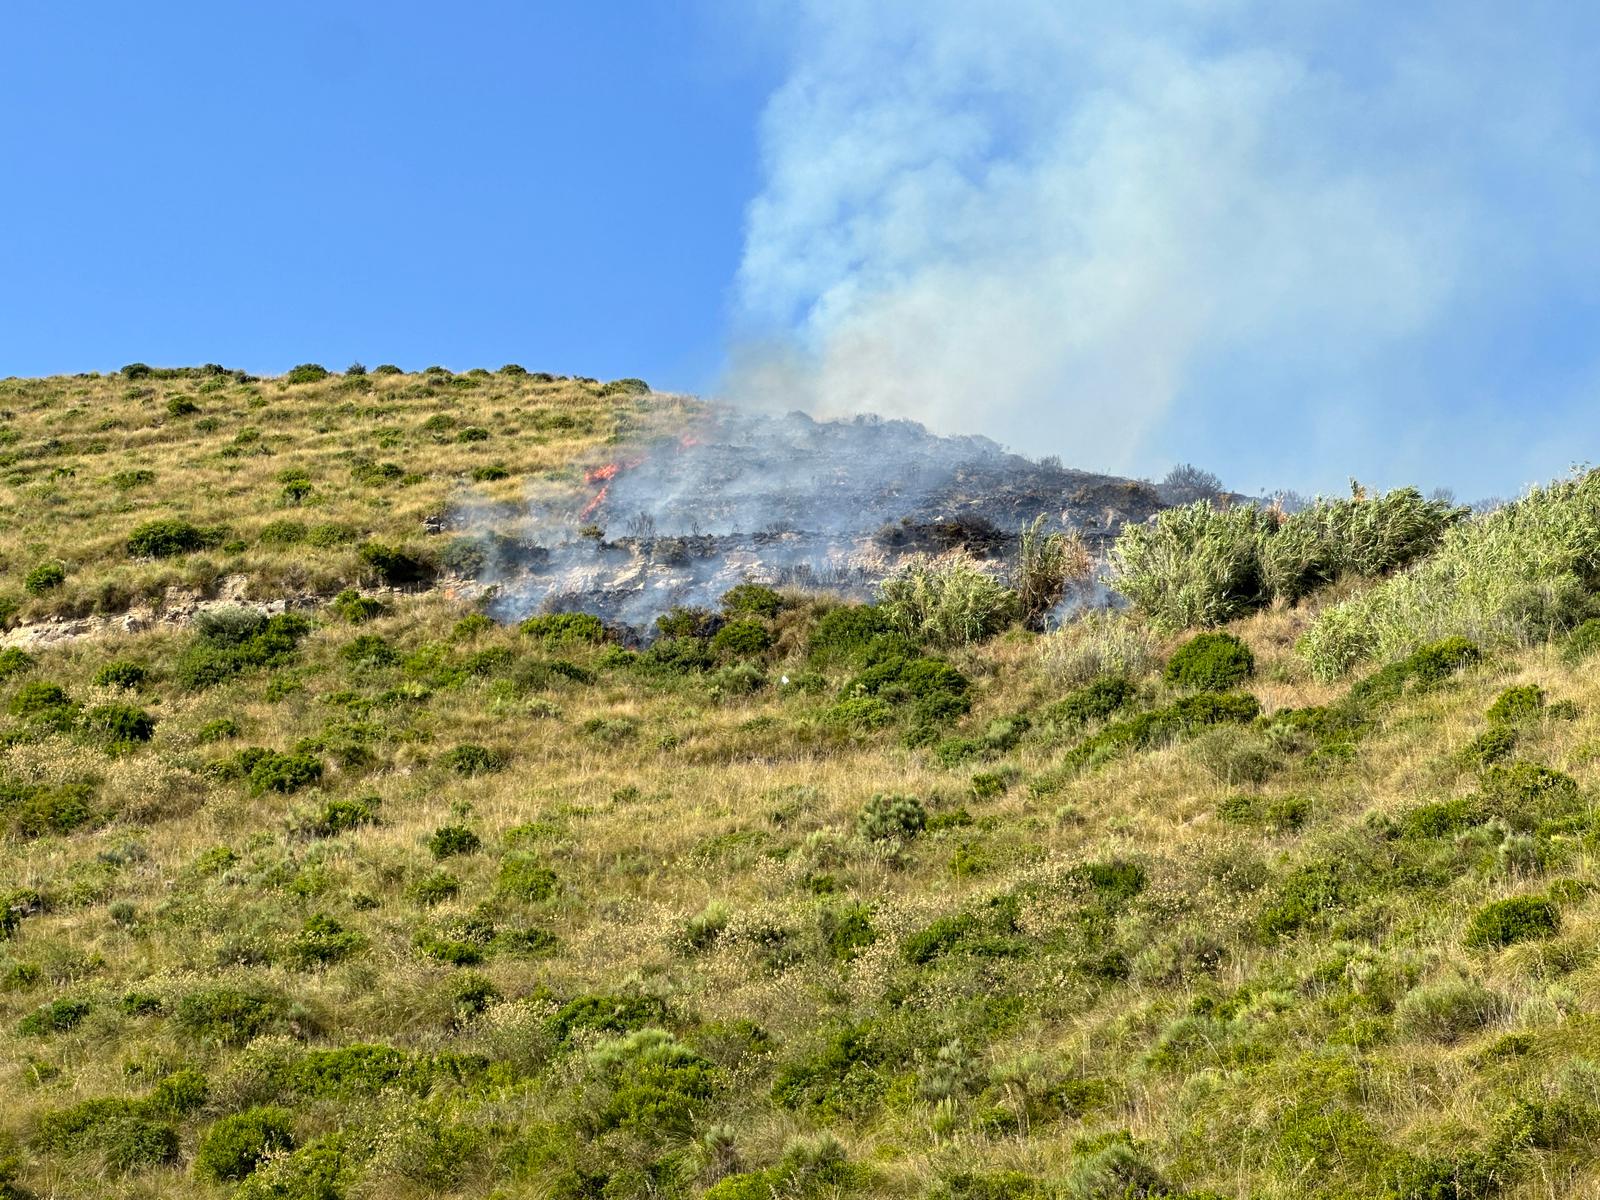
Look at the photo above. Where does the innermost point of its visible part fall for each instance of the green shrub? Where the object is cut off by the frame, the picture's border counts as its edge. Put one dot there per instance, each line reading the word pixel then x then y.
pixel 615 1014
pixel 169 537
pixel 1517 705
pixel 744 638
pixel 323 940
pixel 450 840
pixel 1302 898
pixel 36 810
pixel 488 473
pixel 350 605
pixel 125 481
pixel 329 534
pixel 282 533
pixel 182 406
pixel 657 1084
pixel 341 816
pixel 45 577
pixel 1210 662
pixel 184 1091
pixel 369 650
pixel 843 634
pixel 1423 669
pixel 1516 919
pixel 751 600
pixel 435 888
pixel 948 602
pixel 362 1069
pixel 14 661
pixel 119 724
pixel 566 629
pixel 840 1077
pixel 231 641
pixel 320 1170
pixel 59 1016
pixel 890 818
pixel 236 1145
pixel 862 713
pixel 1583 642
pixel 45 703
pixel 1092 702
pixel 228 1014
pixel 1517 575
pixel 473 433
pixel 524 877
pixel 117 1130
pixel 272 771
pixel 469 759
pixel 846 929
pixel 122 674
pixel 307 373
pixel 216 731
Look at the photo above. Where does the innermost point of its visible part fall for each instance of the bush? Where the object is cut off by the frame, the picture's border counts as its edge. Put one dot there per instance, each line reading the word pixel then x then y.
pixel 1583 642
pixel 751 600
pixel 272 771
pixel 228 1014
pixel 350 605
pixel 59 1016
pixel 321 1170
pixel 236 1145
pixel 1046 564
pixel 341 816
pixel 947 601
pixel 450 840
pixel 1517 705
pixel 184 1091
pixel 524 877
pixel 745 638
pixel 169 537
pixel 469 759
pixel 1210 662
pixel 307 373
pixel 232 640
pixel 14 661
pixel 890 818
pixel 45 703
pixel 43 578
pixel 216 731
pixel 566 629
pixel 125 481
pixel 843 634
pixel 1514 576
pixel 182 406
pixel 614 1014
pixel 118 1130
pixel 36 810
pixel 122 674
pixel 282 533
pixel 1098 643
pixel 119 724
pixel 322 940
pixel 1517 919
pixel 369 650
pixel 1093 702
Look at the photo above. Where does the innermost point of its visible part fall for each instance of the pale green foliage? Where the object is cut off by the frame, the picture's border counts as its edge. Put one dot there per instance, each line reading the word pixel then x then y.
pixel 1518 575
pixel 1197 565
pixel 947 601
pixel 1194 565
pixel 1046 564
pixel 1100 642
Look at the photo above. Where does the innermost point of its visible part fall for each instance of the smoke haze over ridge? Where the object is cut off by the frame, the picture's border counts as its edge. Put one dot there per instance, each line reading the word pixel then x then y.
pixel 1291 245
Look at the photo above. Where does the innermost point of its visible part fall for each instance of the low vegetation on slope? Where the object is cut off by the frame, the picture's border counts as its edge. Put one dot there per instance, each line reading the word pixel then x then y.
pixel 803 899
pixel 121 487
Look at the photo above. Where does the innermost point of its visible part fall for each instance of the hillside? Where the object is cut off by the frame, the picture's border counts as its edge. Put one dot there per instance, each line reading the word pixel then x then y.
pixel 379 897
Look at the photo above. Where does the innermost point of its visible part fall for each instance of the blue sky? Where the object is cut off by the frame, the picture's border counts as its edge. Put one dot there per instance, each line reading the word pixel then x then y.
pixel 1291 242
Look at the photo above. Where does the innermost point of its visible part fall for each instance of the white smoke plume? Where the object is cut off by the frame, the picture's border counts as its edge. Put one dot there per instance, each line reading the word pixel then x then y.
pixel 1089 228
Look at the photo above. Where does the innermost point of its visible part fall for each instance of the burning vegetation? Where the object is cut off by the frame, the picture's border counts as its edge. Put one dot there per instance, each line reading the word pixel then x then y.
pixel 782 501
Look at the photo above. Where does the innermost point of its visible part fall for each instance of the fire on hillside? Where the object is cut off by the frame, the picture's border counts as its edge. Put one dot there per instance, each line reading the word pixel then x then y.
pixel 785 501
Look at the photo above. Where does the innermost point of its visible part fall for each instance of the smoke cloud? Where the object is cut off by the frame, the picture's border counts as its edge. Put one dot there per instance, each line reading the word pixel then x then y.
pixel 1280 242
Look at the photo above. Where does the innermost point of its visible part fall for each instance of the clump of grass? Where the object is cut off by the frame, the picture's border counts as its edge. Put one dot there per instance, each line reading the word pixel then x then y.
pixel 947 601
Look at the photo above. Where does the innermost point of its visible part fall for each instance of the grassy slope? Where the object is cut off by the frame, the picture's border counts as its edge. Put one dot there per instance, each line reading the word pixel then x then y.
pixel 1239 1061
pixel 65 441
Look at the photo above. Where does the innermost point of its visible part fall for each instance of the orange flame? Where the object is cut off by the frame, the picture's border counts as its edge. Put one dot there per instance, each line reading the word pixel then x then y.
pixel 603 475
